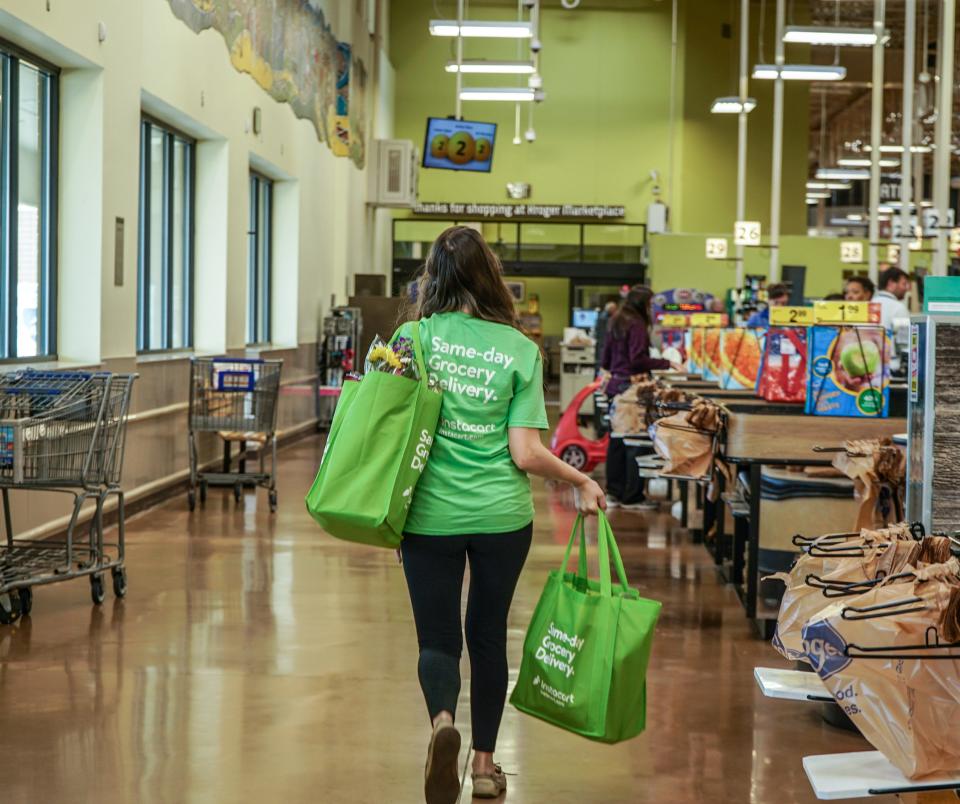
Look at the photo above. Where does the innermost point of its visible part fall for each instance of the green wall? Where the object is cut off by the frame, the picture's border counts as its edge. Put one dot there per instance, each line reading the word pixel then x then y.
pixel 554 293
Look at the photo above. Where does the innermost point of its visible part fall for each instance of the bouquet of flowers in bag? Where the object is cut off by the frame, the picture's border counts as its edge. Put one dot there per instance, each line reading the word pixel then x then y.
pixel 392 358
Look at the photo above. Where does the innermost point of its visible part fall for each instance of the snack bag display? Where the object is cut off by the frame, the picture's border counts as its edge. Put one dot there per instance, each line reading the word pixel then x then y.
pixel 712 351
pixel 849 371
pixel 783 372
pixel 741 351
pixel 694 339
pixel 675 339
pixel 873 652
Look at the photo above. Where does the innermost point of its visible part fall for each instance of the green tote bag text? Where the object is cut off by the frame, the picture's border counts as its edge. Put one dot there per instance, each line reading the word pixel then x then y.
pixel 585 655
pixel 378 446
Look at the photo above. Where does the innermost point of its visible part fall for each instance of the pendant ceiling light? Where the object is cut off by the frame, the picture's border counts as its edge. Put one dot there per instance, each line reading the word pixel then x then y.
pixel 489 67
pixel 731 105
pixel 857 161
pixel 829 185
pixel 830 36
pixel 482 29
pixel 842 174
pixel 513 94
pixel 817 195
pixel 898 149
pixel 800 72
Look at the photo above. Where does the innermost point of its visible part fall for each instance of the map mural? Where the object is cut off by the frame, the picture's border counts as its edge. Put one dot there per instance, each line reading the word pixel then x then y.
pixel 290 50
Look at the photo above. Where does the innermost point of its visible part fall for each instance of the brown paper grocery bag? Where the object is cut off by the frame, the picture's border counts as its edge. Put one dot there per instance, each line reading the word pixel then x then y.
pixel 688 452
pixel 907 706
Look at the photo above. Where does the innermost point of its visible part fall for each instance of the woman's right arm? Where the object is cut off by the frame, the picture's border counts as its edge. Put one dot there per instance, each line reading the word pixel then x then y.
pixel 531 456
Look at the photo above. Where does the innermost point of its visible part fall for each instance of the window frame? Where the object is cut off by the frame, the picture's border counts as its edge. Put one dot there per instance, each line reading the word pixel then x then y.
pixel 149 124
pixel 260 252
pixel 48 143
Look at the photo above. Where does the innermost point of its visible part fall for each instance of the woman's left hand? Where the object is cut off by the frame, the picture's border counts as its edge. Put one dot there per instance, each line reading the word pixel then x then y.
pixel 590 497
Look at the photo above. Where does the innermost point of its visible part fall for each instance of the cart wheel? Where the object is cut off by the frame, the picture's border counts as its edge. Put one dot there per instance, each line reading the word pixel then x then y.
pixel 97 592
pixel 192 499
pixel 237 492
pixel 273 501
pixel 26 601
pixel 574 455
pixel 119 581
pixel 203 492
pixel 9 608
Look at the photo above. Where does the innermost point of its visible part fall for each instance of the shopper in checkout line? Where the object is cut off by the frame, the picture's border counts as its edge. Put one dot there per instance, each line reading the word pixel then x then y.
pixel 893 287
pixel 626 353
pixel 859 289
pixel 473 502
pixel 777 296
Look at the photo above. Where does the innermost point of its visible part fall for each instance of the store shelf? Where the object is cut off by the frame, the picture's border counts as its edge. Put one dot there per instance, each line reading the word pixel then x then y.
pixel 790 685
pixel 861 774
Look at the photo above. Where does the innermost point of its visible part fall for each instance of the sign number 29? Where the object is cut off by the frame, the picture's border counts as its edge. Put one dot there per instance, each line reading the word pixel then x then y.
pixel 746 233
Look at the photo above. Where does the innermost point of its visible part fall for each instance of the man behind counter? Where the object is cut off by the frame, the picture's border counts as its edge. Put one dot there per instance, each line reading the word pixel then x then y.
pixel 777 296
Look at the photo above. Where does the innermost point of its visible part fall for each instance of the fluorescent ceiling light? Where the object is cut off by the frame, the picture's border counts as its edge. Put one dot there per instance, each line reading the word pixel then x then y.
pixel 731 105
pixel 842 174
pixel 898 149
pixel 500 94
pixel 857 161
pixel 829 185
pixel 825 35
pixel 801 72
pixel 487 67
pixel 817 195
pixel 477 28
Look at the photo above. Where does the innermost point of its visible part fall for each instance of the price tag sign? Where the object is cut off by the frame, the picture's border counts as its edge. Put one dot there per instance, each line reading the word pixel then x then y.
pixel 708 320
pixel 717 248
pixel 746 233
pixel 893 254
pixel 674 321
pixel 825 312
pixel 792 317
pixel 851 251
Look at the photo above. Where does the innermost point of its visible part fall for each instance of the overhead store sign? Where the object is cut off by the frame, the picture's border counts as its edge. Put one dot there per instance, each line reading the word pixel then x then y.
pixel 746 233
pixel 717 248
pixel 537 211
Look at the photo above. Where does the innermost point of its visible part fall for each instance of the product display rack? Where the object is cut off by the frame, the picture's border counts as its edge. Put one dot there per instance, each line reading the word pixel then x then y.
pixel 336 355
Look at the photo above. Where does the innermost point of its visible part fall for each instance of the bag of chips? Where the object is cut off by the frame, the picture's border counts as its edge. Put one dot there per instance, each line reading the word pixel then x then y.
pixel 873 652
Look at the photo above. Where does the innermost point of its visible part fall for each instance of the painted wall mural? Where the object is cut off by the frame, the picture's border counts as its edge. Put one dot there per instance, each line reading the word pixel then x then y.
pixel 290 50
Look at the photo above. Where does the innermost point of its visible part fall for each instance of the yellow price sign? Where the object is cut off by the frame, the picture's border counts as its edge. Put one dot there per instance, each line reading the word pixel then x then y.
pixel 674 321
pixel 828 312
pixel 792 317
pixel 708 320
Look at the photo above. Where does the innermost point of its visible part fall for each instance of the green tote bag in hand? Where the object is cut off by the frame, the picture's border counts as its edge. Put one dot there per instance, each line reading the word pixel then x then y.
pixel 379 441
pixel 586 652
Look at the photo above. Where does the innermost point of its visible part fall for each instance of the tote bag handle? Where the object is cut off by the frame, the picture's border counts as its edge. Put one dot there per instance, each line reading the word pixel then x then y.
pixel 606 545
pixel 418 353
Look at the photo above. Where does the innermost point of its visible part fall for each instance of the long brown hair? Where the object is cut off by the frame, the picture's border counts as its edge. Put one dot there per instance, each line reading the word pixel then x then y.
pixel 463 274
pixel 636 307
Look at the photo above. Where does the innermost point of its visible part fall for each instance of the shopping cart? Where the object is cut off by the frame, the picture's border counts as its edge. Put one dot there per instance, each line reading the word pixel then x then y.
pixel 237 399
pixel 62 432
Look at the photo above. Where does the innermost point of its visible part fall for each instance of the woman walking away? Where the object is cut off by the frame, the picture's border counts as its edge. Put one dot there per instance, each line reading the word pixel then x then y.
pixel 625 354
pixel 473 502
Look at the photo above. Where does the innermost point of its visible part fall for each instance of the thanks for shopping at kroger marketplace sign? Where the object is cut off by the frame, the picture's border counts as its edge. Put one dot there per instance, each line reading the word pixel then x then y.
pixel 542 211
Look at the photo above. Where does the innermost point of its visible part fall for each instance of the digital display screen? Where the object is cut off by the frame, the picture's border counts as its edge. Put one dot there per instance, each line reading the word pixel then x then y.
pixel 459 145
pixel 586 319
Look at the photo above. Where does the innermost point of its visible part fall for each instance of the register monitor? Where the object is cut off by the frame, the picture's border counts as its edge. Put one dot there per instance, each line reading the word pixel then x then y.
pixel 585 318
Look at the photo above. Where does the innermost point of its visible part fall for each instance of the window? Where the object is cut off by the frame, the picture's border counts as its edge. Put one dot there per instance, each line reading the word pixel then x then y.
pixel 165 257
pixel 28 225
pixel 260 267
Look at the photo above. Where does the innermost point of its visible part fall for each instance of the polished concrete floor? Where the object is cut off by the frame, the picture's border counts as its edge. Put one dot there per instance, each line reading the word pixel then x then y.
pixel 257 660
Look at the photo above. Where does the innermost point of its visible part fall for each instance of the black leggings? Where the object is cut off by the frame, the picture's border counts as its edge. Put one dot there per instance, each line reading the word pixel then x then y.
pixel 434 568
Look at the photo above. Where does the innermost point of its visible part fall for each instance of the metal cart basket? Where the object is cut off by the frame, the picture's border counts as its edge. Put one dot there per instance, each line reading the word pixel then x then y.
pixel 62 432
pixel 237 399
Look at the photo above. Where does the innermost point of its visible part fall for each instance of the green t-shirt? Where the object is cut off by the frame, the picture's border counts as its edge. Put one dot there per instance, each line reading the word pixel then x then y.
pixel 492 379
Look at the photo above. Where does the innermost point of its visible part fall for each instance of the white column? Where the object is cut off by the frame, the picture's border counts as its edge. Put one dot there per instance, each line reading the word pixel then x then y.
pixel 876 122
pixel 742 130
pixel 943 134
pixel 777 172
pixel 906 163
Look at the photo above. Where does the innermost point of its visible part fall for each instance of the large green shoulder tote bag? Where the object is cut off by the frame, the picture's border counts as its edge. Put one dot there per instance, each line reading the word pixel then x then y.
pixel 585 655
pixel 379 442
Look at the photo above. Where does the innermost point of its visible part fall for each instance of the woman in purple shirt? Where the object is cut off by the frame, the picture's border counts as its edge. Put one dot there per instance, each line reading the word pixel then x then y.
pixel 626 353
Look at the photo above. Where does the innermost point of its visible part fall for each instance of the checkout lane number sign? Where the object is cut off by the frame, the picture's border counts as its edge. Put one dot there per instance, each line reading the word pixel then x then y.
pixel 746 233
pixel 717 248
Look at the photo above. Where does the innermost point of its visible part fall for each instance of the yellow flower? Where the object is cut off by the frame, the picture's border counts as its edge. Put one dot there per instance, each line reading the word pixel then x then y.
pixel 386 355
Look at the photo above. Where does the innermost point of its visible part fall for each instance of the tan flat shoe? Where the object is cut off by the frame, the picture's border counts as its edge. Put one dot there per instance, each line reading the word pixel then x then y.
pixel 441 778
pixel 490 785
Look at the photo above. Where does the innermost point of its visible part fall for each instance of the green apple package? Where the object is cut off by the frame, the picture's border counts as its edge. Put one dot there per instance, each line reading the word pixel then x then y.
pixel 849 372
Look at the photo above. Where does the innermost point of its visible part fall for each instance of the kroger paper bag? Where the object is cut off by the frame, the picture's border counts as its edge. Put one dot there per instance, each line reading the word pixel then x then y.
pixel 686 440
pixel 878 470
pixel 807 589
pixel 908 708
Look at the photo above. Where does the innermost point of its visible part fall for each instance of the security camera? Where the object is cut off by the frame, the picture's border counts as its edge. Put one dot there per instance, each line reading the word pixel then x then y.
pixel 536 45
pixel 531 135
